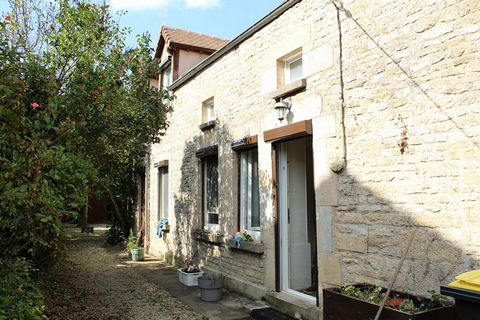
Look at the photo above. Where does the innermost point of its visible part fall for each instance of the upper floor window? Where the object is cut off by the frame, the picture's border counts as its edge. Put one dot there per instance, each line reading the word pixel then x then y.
pixel 289 68
pixel 249 191
pixel 293 68
pixel 208 110
pixel 167 76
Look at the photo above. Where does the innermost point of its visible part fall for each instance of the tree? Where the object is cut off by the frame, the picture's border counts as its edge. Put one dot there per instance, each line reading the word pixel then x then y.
pixel 77 112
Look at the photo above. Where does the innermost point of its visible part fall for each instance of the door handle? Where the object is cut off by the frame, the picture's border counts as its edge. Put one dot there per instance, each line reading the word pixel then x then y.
pixel 288 215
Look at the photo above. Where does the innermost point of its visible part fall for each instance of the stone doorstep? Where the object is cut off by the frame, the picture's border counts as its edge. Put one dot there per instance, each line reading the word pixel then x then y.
pixel 292 305
pixel 269 314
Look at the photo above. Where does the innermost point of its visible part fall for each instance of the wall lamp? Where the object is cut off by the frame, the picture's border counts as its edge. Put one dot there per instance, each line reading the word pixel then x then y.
pixel 282 107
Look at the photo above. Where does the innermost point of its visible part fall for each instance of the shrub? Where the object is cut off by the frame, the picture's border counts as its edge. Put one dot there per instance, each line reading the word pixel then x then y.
pixel 20 297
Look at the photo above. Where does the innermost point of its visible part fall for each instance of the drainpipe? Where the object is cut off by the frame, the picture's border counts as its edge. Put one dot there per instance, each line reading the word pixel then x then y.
pixel 147 202
pixel 339 164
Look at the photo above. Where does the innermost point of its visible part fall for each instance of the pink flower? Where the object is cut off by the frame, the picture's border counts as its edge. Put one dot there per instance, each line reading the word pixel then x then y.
pixel 34 105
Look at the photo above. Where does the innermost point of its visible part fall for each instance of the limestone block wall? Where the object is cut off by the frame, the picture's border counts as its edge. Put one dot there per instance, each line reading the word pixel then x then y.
pixel 408 66
pixel 241 84
pixel 413 66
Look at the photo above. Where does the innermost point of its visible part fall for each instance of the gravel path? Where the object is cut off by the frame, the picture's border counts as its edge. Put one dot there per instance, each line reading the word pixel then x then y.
pixel 95 283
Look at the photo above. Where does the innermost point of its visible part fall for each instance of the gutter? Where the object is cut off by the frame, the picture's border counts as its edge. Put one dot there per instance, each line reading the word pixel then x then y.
pixel 233 44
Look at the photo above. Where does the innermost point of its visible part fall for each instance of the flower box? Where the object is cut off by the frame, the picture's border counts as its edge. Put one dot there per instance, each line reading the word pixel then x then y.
pixel 190 279
pixel 340 306
pixel 207 237
pixel 248 246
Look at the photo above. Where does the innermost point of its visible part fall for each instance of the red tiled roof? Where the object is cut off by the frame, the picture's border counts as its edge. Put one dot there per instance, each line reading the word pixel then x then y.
pixel 175 36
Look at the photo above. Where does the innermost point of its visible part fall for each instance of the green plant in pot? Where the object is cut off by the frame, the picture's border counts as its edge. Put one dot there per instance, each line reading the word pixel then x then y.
pixel 211 287
pixel 133 247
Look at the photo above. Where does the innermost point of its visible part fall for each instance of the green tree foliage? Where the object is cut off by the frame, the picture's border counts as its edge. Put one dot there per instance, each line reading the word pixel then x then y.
pixel 76 114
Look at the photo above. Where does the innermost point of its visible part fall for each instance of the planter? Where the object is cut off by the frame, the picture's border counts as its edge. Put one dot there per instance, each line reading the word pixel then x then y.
pixel 137 254
pixel 211 288
pixel 190 279
pixel 248 246
pixel 216 239
pixel 339 306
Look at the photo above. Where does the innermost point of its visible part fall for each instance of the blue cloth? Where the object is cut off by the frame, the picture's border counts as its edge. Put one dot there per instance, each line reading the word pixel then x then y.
pixel 160 224
pixel 237 239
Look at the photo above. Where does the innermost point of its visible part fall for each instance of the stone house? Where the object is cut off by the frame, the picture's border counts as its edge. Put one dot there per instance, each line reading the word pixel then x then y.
pixel 380 138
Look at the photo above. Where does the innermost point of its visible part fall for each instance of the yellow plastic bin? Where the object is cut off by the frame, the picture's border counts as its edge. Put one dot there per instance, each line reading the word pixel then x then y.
pixel 466 291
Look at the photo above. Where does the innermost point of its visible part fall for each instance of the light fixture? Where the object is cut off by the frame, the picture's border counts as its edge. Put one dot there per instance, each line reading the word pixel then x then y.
pixel 282 107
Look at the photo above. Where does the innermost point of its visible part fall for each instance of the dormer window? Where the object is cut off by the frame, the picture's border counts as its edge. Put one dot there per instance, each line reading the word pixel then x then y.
pixel 167 76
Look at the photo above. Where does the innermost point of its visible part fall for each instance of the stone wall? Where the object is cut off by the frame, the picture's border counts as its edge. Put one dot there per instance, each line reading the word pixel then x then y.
pixel 406 65
pixel 410 65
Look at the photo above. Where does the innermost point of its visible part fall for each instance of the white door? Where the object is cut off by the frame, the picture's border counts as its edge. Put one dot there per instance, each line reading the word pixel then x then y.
pixel 295 249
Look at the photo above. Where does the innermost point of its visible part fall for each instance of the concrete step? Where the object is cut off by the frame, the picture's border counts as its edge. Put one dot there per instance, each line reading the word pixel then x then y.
pixel 293 305
pixel 269 314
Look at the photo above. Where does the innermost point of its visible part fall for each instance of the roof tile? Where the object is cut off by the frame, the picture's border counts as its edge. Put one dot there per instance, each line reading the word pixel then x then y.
pixel 179 36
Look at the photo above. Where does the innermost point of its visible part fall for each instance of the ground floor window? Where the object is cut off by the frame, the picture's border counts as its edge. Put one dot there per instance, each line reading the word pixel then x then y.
pixel 249 191
pixel 210 191
pixel 162 192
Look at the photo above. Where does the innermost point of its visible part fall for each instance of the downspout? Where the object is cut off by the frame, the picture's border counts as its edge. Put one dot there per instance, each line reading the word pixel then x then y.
pixel 339 164
pixel 147 202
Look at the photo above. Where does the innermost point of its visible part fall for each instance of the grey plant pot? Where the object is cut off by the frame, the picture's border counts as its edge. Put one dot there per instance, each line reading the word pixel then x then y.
pixel 211 289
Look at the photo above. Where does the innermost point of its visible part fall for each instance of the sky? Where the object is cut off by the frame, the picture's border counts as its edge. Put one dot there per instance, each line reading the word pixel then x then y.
pixel 221 18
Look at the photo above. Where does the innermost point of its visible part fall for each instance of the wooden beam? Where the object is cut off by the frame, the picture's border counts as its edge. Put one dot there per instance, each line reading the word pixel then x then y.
pixel 291 131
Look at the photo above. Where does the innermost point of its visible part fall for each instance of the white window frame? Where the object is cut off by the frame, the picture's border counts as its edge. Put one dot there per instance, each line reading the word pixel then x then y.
pixel 169 76
pixel 208 110
pixel 207 225
pixel 163 192
pixel 288 62
pixel 246 192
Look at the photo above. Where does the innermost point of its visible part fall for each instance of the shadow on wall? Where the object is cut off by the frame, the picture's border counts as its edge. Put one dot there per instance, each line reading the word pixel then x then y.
pixel 188 199
pixel 433 188
pixel 371 234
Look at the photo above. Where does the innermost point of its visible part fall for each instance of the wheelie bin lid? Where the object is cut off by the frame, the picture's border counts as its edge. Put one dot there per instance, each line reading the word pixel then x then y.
pixel 468 280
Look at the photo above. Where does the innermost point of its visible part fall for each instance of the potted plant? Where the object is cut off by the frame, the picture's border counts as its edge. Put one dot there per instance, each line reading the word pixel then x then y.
pixel 136 251
pixel 189 275
pixel 211 287
pixel 361 301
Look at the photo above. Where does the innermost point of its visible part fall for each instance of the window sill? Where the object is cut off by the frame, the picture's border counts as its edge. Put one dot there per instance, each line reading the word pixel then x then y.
pixel 207 125
pixel 289 89
pixel 209 237
pixel 248 246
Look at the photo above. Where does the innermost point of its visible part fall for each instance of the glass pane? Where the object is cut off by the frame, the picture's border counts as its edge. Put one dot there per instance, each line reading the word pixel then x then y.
pixel 166 77
pixel 255 204
pixel 210 111
pixel 296 70
pixel 243 190
pixel 211 189
pixel 213 218
pixel 165 192
pixel 249 193
pixel 162 192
